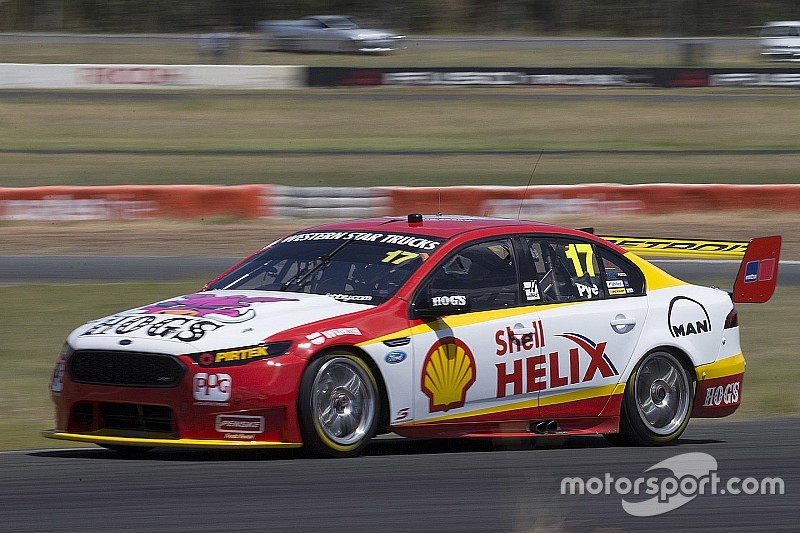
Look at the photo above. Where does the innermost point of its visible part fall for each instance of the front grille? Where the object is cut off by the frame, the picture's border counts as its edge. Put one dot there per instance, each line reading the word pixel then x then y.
pixel 138 417
pixel 125 369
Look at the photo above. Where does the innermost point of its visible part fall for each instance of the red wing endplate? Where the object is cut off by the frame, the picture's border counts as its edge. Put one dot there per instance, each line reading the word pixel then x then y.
pixel 758 272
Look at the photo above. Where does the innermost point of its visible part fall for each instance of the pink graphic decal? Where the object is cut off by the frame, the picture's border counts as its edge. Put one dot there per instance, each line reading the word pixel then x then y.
pixel 228 308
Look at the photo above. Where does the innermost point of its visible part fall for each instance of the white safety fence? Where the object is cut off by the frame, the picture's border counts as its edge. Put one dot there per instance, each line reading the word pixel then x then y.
pixel 330 202
pixel 93 76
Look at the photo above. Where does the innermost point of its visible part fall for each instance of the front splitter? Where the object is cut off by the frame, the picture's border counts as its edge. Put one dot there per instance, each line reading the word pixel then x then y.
pixel 176 443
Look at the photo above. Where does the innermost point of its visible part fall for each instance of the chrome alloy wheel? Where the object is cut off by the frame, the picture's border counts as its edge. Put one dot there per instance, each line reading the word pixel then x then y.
pixel 343 401
pixel 662 392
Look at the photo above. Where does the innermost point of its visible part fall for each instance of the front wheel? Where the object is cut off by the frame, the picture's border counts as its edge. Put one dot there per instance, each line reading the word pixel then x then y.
pixel 657 401
pixel 339 405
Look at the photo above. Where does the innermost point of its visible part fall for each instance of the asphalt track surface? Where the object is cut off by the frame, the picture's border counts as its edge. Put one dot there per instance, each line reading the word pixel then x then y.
pixel 400 485
pixel 103 269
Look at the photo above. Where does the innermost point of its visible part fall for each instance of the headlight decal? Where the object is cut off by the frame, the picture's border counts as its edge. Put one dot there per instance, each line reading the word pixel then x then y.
pixel 57 380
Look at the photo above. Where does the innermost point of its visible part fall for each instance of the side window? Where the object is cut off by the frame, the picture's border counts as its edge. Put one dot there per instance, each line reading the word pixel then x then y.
pixel 563 271
pixel 622 278
pixel 485 274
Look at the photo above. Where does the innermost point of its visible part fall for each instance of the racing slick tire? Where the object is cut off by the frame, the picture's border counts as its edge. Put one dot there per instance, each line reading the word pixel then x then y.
pixel 339 405
pixel 657 402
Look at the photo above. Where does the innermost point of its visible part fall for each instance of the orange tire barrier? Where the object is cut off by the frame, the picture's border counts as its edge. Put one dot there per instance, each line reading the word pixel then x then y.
pixel 648 198
pixel 132 202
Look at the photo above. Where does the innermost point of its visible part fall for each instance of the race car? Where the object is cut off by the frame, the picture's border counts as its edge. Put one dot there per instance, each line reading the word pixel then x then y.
pixel 423 326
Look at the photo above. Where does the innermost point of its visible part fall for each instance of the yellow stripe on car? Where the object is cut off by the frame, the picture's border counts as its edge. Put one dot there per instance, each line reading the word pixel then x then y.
pixel 730 366
pixel 586 394
pixel 468 319
pixel 655 278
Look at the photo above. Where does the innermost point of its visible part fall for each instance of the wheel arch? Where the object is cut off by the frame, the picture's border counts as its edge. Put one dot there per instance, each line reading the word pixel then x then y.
pixel 383 415
pixel 682 356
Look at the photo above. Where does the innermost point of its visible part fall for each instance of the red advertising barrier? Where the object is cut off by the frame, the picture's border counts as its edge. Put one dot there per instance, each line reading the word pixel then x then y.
pixel 137 202
pixel 594 198
pixel 134 202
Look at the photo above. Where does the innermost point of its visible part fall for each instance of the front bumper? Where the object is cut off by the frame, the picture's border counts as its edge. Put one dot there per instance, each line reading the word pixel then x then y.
pixel 252 405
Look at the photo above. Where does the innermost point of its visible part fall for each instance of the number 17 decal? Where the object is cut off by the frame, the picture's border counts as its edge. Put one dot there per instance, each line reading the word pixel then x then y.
pixel 575 251
pixel 398 256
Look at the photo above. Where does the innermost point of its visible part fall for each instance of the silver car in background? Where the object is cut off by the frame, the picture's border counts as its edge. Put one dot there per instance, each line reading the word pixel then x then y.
pixel 780 41
pixel 327 33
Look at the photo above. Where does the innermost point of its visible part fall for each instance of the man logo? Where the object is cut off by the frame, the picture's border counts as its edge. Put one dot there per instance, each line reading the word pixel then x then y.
pixel 687 317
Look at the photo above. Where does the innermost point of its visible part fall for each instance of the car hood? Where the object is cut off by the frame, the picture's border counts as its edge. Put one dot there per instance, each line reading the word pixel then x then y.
pixel 209 320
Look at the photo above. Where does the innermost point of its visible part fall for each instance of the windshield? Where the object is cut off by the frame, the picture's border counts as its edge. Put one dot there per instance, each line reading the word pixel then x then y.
pixel 780 31
pixel 348 266
pixel 341 23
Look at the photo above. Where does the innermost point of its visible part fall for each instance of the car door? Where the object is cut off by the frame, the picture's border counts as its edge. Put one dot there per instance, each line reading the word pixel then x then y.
pixel 472 322
pixel 592 310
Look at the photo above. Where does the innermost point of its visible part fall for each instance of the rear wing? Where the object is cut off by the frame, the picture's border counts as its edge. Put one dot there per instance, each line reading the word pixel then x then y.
pixel 758 271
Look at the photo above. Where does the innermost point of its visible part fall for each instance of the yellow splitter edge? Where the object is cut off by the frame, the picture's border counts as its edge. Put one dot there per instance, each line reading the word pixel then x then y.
pixel 182 443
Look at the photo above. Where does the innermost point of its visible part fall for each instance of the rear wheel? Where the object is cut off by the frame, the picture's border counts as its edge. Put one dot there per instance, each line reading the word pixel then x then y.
pixel 339 405
pixel 657 401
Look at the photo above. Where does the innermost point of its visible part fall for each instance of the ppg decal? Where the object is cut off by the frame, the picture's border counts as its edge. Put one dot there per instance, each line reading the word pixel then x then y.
pixel 212 387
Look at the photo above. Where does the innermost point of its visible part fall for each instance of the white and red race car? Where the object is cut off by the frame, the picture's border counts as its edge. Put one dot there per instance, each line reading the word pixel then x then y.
pixel 434 326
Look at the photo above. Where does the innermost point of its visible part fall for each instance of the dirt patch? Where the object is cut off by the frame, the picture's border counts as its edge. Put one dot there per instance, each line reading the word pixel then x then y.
pixel 236 239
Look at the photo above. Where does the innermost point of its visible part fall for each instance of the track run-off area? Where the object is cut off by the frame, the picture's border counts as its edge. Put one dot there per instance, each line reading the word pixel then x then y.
pixel 414 485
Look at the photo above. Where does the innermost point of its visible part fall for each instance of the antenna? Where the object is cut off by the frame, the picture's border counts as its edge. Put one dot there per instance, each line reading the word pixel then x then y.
pixel 530 179
pixel 439 207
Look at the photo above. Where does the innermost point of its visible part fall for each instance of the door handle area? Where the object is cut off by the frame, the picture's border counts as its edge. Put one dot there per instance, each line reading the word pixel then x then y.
pixel 622 324
pixel 521 332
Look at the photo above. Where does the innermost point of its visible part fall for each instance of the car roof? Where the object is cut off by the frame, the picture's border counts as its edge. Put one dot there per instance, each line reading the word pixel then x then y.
pixel 448 226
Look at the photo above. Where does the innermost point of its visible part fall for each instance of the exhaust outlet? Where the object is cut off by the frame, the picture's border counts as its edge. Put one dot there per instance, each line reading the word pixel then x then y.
pixel 544 427
pixel 539 427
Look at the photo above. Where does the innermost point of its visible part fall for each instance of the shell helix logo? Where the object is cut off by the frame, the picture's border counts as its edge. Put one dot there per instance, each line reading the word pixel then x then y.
pixel 447 373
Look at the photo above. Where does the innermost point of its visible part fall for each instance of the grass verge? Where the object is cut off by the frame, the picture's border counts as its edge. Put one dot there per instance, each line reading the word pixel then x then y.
pixel 186 52
pixel 318 120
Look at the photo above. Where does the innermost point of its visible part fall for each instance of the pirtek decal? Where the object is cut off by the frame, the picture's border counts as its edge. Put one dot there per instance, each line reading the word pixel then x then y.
pixel 238 356
pixel 540 372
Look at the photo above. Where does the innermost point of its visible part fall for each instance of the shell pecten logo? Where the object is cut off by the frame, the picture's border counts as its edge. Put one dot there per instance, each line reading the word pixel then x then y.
pixel 447 373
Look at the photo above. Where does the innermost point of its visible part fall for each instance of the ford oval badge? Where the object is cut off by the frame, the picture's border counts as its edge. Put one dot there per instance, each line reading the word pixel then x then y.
pixel 395 356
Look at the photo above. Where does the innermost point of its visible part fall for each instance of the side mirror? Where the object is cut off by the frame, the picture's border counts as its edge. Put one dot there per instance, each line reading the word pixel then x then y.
pixel 436 306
